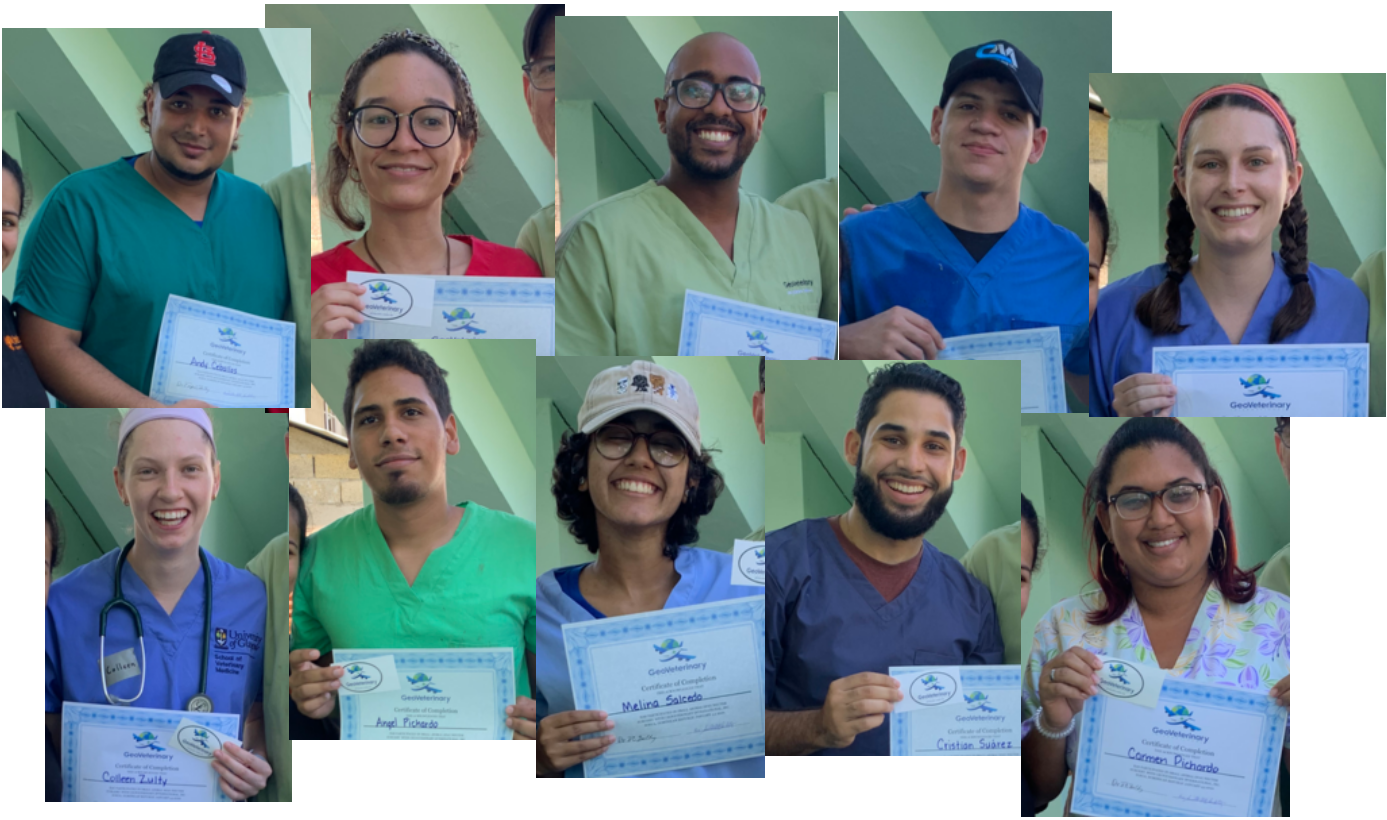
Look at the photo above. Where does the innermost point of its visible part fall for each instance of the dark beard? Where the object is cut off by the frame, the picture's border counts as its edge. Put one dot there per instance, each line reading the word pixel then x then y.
pixel 179 173
pixel 682 148
pixel 888 524
pixel 398 494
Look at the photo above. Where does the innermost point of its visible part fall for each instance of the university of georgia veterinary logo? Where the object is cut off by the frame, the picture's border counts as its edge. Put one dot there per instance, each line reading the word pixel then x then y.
pixel 221 638
pixel 361 677
pixel 147 740
pixel 757 341
pixel 462 320
pixel 933 688
pixel 977 702
pixel 421 682
pixel 671 650
pixel 1258 385
pixel 228 335
pixel 1001 53
pixel 197 741
pixel 1180 716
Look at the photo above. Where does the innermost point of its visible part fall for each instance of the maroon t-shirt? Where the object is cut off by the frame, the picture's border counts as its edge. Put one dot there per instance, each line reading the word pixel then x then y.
pixel 890 580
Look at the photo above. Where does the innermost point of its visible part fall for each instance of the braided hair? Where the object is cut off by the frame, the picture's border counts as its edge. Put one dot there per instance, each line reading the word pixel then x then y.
pixel 339 164
pixel 1159 308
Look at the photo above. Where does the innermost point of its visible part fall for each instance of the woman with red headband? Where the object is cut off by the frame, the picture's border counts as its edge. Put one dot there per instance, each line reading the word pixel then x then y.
pixel 1162 549
pixel 1237 182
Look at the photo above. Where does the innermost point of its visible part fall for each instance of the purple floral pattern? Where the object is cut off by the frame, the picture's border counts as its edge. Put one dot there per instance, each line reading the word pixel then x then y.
pixel 1276 638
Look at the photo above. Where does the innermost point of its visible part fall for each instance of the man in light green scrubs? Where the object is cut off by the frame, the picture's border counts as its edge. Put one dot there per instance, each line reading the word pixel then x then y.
pixel 818 201
pixel 537 236
pixel 625 263
pixel 291 195
pixel 996 561
pixel 410 571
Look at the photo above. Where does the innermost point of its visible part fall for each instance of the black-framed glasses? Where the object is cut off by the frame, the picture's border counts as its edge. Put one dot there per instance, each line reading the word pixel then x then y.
pixel 432 125
pixel 1178 498
pixel 740 95
pixel 541 74
pixel 667 448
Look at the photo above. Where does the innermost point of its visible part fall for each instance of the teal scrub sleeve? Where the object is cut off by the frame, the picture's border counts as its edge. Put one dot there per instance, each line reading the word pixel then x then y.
pixel 57 273
pixel 583 299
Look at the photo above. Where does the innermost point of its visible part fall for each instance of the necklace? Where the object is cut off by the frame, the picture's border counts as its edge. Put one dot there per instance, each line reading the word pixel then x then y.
pixel 447 246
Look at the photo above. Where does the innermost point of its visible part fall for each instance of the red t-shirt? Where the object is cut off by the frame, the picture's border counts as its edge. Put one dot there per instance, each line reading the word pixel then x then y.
pixel 488 259
pixel 889 579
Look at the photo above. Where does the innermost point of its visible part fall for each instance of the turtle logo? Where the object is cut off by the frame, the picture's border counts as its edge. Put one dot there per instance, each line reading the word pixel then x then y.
pixel 757 341
pixel 1180 716
pixel 672 650
pixel 1258 385
pixel 461 319
pixel 228 335
pixel 147 740
pixel 421 682
pixel 978 702
pixel 380 292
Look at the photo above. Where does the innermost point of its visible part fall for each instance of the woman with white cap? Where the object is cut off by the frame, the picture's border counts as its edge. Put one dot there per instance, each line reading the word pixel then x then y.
pixel 205 618
pixel 632 482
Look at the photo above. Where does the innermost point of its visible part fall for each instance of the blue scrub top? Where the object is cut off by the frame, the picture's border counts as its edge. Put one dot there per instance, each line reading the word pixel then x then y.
pixel 825 621
pixel 704 577
pixel 172 643
pixel 1120 345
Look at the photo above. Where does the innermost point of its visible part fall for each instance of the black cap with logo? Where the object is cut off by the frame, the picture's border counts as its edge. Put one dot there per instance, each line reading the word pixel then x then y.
pixel 543 13
pixel 1001 60
pixel 201 59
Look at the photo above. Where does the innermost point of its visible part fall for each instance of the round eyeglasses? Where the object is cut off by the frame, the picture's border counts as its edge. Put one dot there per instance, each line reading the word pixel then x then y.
pixel 667 449
pixel 541 74
pixel 1179 498
pixel 432 125
pixel 740 95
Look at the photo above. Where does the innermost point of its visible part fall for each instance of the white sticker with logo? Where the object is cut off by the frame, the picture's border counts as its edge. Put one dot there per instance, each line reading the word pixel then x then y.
pixel 404 300
pixel 198 740
pixel 1138 684
pixel 748 563
pixel 120 666
pixel 369 676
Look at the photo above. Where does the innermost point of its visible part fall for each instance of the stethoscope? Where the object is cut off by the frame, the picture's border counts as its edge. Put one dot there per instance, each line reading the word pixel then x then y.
pixel 197 703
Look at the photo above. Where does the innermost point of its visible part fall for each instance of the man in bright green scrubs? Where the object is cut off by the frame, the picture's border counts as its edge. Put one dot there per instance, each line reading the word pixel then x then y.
pixel 818 201
pixel 409 571
pixel 537 236
pixel 291 195
pixel 110 244
pixel 625 263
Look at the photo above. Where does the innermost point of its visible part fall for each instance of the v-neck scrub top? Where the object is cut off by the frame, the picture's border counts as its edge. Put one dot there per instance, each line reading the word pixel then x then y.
pixel 825 621
pixel 172 642
pixel 1120 345
pixel 475 591
pixel 624 264
pixel 106 250
pixel 705 576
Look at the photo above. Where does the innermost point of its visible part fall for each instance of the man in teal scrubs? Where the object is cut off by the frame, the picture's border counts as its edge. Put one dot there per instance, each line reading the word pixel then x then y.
pixel 625 263
pixel 110 244
pixel 409 571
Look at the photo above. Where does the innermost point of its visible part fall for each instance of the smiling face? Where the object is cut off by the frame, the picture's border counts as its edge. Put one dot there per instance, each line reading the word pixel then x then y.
pixel 713 142
pixel 541 103
pixel 399 442
pixel 1095 260
pixel 406 175
pixel 1237 178
pixel 633 491
pixel 10 223
pixel 1161 549
pixel 986 135
pixel 906 464
pixel 170 479
pixel 191 131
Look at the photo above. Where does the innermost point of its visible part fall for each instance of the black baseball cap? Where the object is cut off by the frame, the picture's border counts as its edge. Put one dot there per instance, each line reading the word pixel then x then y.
pixel 201 59
pixel 1001 60
pixel 542 13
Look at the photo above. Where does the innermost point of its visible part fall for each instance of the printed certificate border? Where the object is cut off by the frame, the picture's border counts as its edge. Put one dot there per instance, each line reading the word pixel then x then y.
pixel 1228 698
pixel 499 660
pixel 698 305
pixel 178 306
pixel 980 677
pixel 1045 339
pixel 1352 358
pixel 580 638
pixel 537 294
pixel 75 714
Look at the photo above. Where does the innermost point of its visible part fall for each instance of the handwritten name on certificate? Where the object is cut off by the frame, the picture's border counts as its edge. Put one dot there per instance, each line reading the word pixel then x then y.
pixel 437 694
pixel 957 710
pixel 1266 380
pixel 685 686
pixel 457 307
pixel 223 357
pixel 1037 349
pixel 125 754
pixel 714 326
pixel 1204 751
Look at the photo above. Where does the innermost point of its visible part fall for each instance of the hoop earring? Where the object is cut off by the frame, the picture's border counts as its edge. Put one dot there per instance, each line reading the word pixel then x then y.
pixel 1218 567
pixel 1103 569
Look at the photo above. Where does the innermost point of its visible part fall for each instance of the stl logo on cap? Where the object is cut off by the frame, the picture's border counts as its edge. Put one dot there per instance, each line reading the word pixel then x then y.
pixel 204 54
pixel 999 52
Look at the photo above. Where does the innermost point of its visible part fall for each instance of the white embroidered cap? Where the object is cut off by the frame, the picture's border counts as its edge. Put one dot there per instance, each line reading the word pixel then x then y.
pixel 641 385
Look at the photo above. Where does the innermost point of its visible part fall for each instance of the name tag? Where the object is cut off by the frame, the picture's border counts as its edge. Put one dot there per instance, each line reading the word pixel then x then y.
pixel 120 666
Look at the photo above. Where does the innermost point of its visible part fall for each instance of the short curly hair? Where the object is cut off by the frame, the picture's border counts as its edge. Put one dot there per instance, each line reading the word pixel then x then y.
pixel 375 354
pixel 575 506
pixel 911 376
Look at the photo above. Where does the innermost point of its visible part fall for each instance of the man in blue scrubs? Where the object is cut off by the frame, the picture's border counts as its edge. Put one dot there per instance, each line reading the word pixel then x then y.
pixel 849 597
pixel 967 257
pixel 110 244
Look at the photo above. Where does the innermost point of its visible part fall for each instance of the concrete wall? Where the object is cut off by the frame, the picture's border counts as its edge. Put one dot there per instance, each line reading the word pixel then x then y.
pixel 318 470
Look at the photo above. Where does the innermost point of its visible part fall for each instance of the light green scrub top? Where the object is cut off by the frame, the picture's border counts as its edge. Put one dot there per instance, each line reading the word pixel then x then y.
pixel 996 561
pixel 106 249
pixel 477 590
pixel 290 192
pixel 818 201
pixel 1276 575
pixel 272 567
pixel 624 264
pixel 1369 279
pixel 537 239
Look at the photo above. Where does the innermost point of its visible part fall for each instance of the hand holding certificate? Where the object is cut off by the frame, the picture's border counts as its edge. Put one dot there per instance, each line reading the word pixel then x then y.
pixel 457 307
pixel 122 753
pixel 1266 380
pixel 425 694
pixel 714 326
pixel 957 710
pixel 1038 351
pixel 223 357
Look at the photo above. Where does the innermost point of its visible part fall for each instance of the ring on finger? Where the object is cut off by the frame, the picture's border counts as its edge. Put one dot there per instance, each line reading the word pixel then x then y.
pixel 1052 674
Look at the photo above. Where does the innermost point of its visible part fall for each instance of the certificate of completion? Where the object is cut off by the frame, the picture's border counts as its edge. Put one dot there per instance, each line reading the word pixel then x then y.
pixel 714 326
pixel 957 710
pixel 457 307
pixel 223 357
pixel 1037 349
pixel 1266 380
pixel 440 694
pixel 1203 751
pixel 124 754
pixel 685 687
